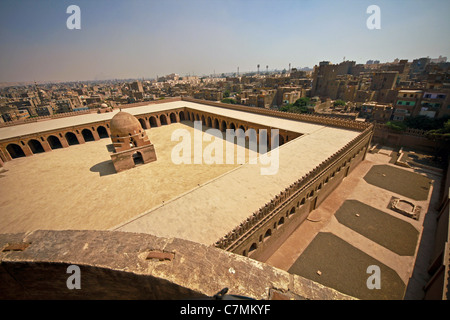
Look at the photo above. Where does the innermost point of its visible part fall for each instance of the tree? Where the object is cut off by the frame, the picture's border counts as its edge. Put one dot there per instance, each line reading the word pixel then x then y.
pixel 302 102
pixel 299 106
pixel 228 100
pixel 338 103
pixel 426 123
pixel 396 125
pixel 226 93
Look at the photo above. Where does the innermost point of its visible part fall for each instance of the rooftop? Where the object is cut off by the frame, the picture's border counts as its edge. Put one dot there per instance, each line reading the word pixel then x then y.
pixel 200 203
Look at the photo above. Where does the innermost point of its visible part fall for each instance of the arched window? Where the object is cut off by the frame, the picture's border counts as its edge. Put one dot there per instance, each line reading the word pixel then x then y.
pixel 15 151
pixel 35 146
pixel 54 142
pixel 71 138
pixel 87 135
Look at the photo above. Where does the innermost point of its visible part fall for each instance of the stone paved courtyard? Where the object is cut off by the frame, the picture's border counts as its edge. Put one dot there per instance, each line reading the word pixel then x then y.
pixel 77 187
pixel 354 228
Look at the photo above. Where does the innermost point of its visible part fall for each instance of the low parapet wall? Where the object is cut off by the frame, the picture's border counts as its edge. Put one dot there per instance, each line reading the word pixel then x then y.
pixel 121 265
pixel 239 237
pixel 327 121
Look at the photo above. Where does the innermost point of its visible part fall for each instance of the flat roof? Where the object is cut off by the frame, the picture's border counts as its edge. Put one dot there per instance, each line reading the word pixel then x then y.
pixel 208 212
pixel 61 123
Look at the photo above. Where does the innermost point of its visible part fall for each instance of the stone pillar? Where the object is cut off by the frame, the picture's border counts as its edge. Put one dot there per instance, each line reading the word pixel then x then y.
pixel 95 134
pixel 45 145
pixel 63 142
pixel 26 149
pixel 147 123
pixel 5 153
pixel 80 137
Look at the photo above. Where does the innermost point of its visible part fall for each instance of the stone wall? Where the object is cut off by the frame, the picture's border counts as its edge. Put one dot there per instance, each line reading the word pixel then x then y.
pixel 326 121
pixel 41 118
pixel 412 138
pixel 120 265
pixel 259 235
pixel 439 269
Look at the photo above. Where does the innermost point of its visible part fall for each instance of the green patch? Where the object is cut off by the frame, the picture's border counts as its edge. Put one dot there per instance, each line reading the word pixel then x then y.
pixel 345 268
pixel 388 231
pixel 405 183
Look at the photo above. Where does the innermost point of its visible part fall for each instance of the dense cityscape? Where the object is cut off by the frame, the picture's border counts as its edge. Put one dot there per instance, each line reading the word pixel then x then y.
pixel 314 165
pixel 388 92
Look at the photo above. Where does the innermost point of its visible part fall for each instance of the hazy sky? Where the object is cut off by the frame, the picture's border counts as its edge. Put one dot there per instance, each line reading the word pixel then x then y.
pixel 145 38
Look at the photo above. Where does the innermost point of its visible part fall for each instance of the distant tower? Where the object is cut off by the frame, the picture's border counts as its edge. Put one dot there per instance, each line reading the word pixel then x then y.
pixel 289 68
pixel 258 68
pixel 267 69
pixel 238 72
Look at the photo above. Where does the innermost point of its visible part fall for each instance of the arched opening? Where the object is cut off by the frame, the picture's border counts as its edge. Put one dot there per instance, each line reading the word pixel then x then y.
pixel 224 126
pixel 143 124
pixel 216 124
pixel 253 247
pixel 163 119
pixel 71 138
pixel 203 121
pixel 153 122
pixel 292 211
pixel 267 234
pixel 54 142
pixel 197 117
pixel 192 117
pixel 137 158
pixel 232 126
pixel 15 151
pixel 133 143
pixel 303 201
pixel 35 146
pixel 102 132
pixel 209 123
pixel 181 115
pixel 173 118
pixel 281 140
pixel 87 135
pixel 281 221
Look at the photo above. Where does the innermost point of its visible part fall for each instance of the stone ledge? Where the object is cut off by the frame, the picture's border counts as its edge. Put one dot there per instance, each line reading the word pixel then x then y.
pixel 114 265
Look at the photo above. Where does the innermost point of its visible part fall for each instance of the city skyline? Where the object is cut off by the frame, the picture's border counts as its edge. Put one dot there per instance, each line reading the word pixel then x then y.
pixel 143 39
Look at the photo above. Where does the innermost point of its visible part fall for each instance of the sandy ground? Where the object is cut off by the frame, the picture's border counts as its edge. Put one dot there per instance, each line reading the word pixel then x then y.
pixel 77 187
pixel 410 269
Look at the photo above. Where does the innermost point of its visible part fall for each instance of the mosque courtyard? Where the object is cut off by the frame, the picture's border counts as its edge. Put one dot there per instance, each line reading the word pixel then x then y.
pixel 78 188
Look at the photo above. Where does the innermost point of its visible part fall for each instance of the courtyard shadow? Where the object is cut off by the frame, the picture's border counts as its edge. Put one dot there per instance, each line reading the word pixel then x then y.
pixel 104 168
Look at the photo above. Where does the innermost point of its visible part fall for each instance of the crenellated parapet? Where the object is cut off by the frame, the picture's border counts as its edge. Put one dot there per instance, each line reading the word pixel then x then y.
pixel 254 222
pixel 317 119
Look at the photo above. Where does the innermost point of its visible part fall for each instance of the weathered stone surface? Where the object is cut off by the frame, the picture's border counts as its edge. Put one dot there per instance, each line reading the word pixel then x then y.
pixel 114 265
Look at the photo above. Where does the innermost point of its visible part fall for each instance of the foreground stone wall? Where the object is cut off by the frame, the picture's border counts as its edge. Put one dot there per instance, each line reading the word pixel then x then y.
pixel 120 265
